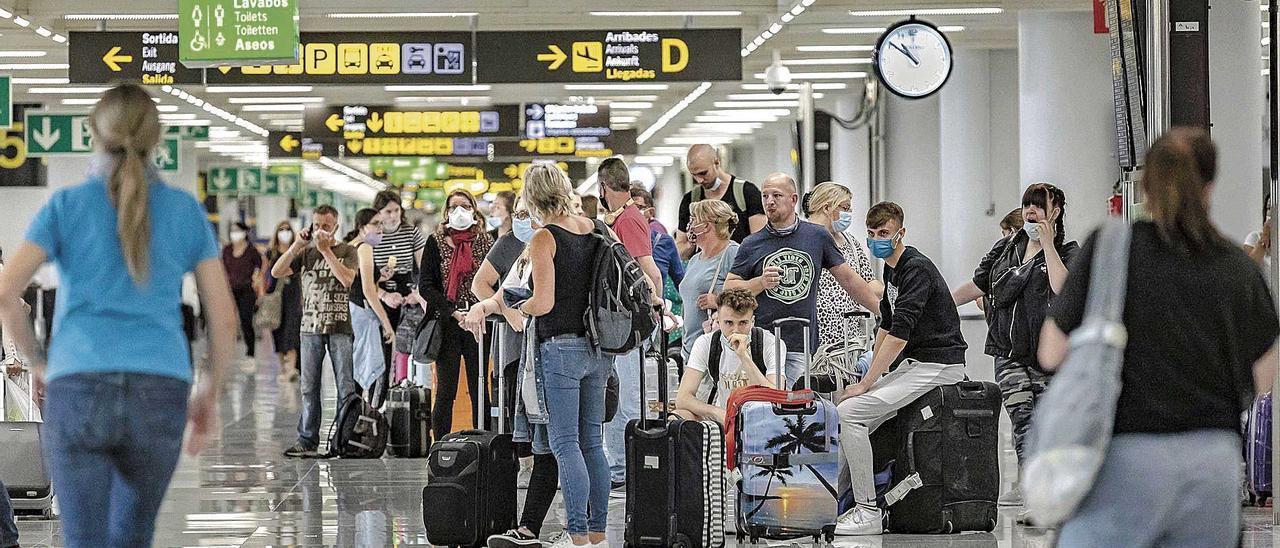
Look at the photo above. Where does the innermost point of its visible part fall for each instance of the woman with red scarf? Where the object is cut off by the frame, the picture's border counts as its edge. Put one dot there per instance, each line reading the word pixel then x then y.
pixel 452 257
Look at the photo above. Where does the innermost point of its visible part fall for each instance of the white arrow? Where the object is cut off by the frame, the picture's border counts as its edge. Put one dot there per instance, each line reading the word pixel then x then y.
pixel 48 137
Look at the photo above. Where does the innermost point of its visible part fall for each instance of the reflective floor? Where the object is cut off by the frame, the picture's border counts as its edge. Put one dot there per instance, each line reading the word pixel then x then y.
pixel 242 492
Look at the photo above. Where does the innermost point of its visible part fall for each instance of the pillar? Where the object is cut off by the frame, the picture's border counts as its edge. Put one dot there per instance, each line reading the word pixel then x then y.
pixel 1236 96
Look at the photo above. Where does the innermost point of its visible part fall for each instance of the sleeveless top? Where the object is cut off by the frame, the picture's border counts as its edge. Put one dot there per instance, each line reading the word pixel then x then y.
pixel 573 265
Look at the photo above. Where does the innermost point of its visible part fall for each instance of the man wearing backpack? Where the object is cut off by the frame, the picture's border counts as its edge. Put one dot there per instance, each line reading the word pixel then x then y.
pixel 738 354
pixel 632 230
pixel 714 183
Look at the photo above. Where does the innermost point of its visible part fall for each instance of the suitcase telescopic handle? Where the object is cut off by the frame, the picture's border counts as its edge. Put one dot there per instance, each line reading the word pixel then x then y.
pixel 781 360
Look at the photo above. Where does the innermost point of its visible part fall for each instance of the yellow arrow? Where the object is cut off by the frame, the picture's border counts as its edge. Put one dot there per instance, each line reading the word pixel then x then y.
pixel 113 59
pixel 288 143
pixel 374 123
pixel 334 123
pixel 355 146
pixel 556 57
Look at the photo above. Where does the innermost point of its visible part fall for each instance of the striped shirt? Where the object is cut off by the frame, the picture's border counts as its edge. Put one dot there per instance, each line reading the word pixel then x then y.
pixel 401 244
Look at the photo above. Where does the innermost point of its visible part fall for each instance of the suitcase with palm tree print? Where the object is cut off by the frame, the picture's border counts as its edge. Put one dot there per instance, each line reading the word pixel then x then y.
pixel 786 449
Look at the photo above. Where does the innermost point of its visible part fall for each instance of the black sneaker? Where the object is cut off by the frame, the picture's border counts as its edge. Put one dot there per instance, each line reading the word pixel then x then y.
pixel 618 490
pixel 512 539
pixel 300 450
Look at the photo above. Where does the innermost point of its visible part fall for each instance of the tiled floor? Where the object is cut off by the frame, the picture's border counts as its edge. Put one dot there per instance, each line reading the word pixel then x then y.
pixel 243 493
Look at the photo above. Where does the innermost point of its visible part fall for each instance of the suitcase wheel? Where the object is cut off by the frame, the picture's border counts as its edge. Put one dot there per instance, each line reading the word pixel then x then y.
pixel 991 525
pixel 948 528
pixel 681 541
pixel 829 536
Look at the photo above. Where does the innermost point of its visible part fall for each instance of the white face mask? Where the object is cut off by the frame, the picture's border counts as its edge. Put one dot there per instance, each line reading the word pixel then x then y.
pixel 237 236
pixel 285 236
pixel 390 225
pixel 460 218
pixel 1032 230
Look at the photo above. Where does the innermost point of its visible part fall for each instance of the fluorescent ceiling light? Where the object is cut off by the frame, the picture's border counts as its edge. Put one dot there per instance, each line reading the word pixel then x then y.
pixel 401 15
pixel 685 13
pixel 628 98
pixel 698 140
pixel 441 99
pixel 35 66
pixel 623 119
pixel 840 47
pixel 631 104
pixel 926 11
pixel 273 100
pixel 756 104
pixel 23 53
pixel 816 85
pixel 820 75
pixel 734 119
pixel 80 102
pixel 853 30
pixel 6 13
pixel 21 22
pixel 446 88
pixel 286 122
pixel 756 112
pixel 258 89
pixel 188 123
pixel 273 108
pixel 41 81
pixel 170 117
pixel 658 160
pixel 278 116
pixel 44 32
pixel 59 38
pixel 623 87
pixel 167 108
pixel 121 17
pixel 674 111
pixel 833 61
pixel 67 91
pixel 768 96
pixel 951 28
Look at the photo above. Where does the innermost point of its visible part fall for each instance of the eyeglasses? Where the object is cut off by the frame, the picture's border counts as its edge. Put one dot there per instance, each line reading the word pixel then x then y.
pixel 522 215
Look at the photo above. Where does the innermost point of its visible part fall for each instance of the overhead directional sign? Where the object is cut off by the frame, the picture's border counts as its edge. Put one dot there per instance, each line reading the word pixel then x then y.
pixel 223 180
pixel 6 100
pixel 659 55
pixel 395 131
pixel 365 58
pixel 166 154
pixel 139 57
pixel 617 142
pixel 551 120
pixel 504 172
pixel 283 180
pixel 53 134
pixel 291 144
pixel 237 32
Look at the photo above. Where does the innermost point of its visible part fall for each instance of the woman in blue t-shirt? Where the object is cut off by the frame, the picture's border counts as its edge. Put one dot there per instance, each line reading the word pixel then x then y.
pixel 119 376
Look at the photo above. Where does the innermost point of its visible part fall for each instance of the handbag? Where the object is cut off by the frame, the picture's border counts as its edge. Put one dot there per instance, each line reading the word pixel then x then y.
pixel 1076 415
pixel 411 316
pixel 426 344
pixel 269 311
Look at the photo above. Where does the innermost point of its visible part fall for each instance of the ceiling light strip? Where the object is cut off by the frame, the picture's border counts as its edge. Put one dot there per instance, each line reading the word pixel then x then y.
pixel 121 17
pixel 660 13
pixel 401 15
pixel 667 116
pixel 776 27
pixel 927 11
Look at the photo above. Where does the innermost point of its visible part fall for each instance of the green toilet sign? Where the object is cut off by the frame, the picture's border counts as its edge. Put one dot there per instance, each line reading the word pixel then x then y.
pixel 237 32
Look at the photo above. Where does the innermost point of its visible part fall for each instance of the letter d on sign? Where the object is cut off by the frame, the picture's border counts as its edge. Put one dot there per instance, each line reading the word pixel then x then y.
pixel 670 45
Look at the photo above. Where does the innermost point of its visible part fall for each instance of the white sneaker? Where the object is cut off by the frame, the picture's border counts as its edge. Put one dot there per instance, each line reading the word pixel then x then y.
pixel 565 540
pixel 1012 497
pixel 861 520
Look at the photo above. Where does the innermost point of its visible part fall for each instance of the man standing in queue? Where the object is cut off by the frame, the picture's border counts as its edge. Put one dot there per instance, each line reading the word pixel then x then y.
pixel 712 182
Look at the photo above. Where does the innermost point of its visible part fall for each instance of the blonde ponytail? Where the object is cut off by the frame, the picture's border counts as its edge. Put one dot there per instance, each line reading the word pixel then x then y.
pixel 126 125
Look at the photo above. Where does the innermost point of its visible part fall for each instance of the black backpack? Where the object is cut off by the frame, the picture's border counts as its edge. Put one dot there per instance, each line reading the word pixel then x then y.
pixel 619 311
pixel 717 349
pixel 358 432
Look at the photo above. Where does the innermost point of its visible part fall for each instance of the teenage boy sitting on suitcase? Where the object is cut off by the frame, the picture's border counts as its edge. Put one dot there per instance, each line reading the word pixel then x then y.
pixel 738 354
pixel 919 344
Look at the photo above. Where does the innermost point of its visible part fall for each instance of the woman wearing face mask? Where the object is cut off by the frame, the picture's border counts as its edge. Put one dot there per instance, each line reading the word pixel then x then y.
pixel 402 245
pixel 287 337
pixel 499 220
pixel 244 266
pixel 369 323
pixel 449 264
pixel 712 222
pixel 830 205
pixel 1019 277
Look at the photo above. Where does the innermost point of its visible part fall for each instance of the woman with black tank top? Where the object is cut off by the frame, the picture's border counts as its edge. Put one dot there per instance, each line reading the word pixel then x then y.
pixel 572 375
pixel 369 321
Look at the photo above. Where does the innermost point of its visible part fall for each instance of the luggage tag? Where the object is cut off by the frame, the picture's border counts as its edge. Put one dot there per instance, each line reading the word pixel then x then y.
pixel 900 490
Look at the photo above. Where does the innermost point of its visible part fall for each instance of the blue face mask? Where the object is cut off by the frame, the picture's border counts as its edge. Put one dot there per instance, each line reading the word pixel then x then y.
pixel 522 228
pixel 493 222
pixel 843 223
pixel 881 249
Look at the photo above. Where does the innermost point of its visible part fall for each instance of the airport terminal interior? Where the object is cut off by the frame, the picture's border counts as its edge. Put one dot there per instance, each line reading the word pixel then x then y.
pixel 287 124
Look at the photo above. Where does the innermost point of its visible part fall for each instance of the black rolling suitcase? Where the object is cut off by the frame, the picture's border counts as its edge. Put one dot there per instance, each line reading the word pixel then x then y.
pixel 675 476
pixel 948 461
pixel 409 412
pixel 471 493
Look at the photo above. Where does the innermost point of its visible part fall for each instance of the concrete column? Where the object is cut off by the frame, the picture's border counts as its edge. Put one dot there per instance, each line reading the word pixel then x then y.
pixel 850 165
pixel 965 180
pixel 912 158
pixel 1236 95
pixel 1067 123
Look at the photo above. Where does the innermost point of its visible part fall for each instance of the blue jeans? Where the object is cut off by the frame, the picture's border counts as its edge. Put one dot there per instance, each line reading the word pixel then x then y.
pixel 575 384
pixel 615 433
pixel 8 529
pixel 1169 490
pixel 794 369
pixel 112 441
pixel 311 359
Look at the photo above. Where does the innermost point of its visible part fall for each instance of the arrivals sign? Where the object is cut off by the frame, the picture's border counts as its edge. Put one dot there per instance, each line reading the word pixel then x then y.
pixel 364 58
pixel 630 55
pixel 138 57
pixel 237 32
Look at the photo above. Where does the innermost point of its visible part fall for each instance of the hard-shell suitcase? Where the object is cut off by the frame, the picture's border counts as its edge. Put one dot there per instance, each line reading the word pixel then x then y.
pixel 22 468
pixel 675 475
pixel 471 490
pixel 948 461
pixel 1257 450
pixel 787 453
pixel 409 413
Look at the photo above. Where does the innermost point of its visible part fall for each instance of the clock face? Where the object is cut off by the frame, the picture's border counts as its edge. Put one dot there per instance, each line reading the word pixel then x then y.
pixel 913 59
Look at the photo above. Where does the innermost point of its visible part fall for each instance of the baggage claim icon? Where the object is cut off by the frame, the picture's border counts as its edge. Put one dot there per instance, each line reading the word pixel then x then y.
pixel 913 59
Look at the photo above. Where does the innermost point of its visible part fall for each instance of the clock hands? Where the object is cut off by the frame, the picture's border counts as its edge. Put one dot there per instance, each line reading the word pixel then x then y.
pixel 905 51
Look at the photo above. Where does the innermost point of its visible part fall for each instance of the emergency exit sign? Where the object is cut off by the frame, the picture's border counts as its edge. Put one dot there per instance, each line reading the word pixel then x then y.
pixel 237 32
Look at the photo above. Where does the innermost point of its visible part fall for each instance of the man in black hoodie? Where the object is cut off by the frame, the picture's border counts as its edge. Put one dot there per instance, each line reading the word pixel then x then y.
pixel 919 344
